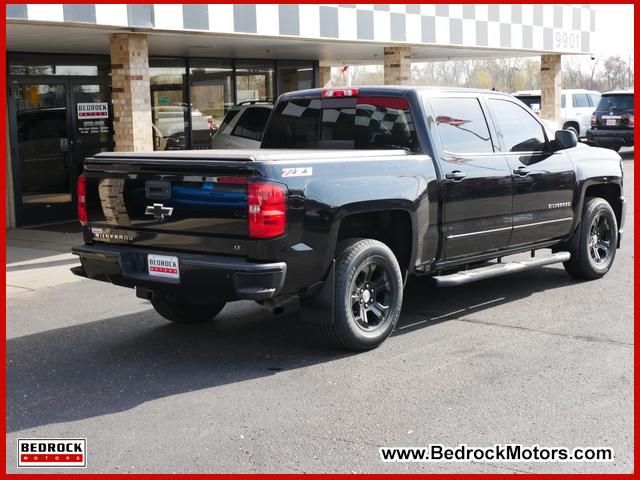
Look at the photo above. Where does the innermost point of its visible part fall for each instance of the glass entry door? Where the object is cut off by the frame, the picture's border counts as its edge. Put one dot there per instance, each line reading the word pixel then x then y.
pixel 55 125
pixel 43 166
pixel 92 120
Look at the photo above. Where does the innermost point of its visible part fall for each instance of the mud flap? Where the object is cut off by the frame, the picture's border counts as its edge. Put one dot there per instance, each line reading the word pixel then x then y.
pixel 317 308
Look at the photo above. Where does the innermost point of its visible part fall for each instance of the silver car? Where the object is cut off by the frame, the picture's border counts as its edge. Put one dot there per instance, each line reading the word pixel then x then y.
pixel 243 126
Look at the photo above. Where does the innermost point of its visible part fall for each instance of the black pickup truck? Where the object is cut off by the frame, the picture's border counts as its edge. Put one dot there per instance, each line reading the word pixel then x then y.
pixel 352 190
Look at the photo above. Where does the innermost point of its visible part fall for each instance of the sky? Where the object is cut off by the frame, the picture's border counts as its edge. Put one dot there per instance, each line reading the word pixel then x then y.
pixel 614 30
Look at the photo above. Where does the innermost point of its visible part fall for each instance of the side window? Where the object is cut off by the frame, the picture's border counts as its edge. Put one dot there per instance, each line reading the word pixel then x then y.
pixel 595 98
pixel 251 124
pixel 519 131
pixel 231 114
pixel 580 100
pixel 563 101
pixel 461 125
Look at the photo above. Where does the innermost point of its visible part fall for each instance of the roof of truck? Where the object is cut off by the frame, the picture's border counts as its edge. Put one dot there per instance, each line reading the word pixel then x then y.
pixel 392 89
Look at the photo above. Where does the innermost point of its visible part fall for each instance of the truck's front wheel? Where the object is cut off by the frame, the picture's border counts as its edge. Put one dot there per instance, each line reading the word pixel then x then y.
pixel 178 312
pixel 595 248
pixel 368 295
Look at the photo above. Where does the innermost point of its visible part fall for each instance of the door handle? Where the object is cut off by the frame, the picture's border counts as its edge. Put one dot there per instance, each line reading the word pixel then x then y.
pixel 522 171
pixel 456 175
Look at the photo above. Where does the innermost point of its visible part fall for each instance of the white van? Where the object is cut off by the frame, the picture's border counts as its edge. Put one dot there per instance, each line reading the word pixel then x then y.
pixel 577 106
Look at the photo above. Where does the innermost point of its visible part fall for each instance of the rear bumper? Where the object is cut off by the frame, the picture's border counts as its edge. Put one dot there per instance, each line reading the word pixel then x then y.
pixel 613 137
pixel 201 276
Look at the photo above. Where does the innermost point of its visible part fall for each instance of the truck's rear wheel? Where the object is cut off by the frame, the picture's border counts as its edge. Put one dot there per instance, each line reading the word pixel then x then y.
pixel 185 312
pixel 368 295
pixel 597 241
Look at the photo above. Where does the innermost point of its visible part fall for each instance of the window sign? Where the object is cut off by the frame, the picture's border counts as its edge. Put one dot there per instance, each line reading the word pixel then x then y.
pixel 93 118
pixel 88 111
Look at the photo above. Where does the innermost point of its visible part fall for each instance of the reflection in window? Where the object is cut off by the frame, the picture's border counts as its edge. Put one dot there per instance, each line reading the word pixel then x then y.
pixel 254 81
pixel 294 76
pixel 76 65
pixel 211 93
pixel 519 131
pixel 362 123
pixel 461 125
pixel 169 111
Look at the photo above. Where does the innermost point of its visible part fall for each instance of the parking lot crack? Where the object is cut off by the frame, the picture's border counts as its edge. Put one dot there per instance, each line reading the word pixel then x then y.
pixel 585 338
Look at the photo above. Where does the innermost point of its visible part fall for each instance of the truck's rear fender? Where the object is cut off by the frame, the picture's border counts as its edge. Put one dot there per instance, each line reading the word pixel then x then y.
pixel 395 202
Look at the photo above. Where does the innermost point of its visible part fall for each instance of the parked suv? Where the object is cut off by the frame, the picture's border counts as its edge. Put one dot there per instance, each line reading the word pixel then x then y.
pixel 612 123
pixel 577 105
pixel 243 126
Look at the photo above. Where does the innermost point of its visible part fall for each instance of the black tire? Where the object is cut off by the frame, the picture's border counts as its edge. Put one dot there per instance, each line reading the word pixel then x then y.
pixel 597 239
pixel 573 129
pixel 177 312
pixel 368 295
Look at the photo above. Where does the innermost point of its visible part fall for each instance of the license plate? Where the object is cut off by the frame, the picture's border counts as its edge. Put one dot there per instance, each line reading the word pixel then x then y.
pixel 611 122
pixel 163 266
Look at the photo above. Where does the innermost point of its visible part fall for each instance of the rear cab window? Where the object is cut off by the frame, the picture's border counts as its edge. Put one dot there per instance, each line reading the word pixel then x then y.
pixel 362 122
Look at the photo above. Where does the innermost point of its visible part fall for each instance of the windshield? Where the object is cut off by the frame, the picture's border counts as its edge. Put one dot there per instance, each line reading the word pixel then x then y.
pixel 345 122
pixel 615 102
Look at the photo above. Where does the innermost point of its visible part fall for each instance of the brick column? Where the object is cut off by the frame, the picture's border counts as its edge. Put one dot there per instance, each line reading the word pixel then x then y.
pixel 397 65
pixel 551 85
pixel 131 95
pixel 325 76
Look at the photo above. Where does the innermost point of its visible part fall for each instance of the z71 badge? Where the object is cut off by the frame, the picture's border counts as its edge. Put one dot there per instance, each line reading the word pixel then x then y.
pixel 297 172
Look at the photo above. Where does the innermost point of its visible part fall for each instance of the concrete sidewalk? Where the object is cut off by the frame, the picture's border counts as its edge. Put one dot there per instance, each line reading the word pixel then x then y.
pixel 39 259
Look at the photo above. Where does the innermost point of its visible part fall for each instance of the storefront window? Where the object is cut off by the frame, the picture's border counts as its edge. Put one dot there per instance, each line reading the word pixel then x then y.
pixel 211 95
pixel 294 76
pixel 169 110
pixel 254 81
pixel 59 65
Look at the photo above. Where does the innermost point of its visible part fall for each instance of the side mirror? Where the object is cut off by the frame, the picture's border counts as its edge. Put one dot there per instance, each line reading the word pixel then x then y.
pixel 565 139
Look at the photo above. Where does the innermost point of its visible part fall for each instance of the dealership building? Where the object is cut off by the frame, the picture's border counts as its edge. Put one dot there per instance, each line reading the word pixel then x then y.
pixel 96 77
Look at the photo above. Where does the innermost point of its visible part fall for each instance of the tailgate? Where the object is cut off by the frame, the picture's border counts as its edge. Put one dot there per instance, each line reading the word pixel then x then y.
pixel 168 201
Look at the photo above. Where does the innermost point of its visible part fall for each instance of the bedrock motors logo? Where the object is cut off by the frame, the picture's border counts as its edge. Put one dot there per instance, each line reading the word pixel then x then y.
pixel 52 452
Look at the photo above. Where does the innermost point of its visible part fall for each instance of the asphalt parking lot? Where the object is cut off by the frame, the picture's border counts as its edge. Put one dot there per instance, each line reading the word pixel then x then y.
pixel 533 358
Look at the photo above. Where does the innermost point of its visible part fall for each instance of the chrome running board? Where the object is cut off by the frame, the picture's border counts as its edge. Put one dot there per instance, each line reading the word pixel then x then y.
pixel 496 270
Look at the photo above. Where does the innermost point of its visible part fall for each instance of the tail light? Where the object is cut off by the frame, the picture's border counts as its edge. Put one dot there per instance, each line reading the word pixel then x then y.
pixel 630 120
pixel 594 120
pixel 82 200
pixel 267 209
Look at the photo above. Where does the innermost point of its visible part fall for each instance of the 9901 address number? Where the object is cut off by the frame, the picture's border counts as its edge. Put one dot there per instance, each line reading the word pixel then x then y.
pixel 567 40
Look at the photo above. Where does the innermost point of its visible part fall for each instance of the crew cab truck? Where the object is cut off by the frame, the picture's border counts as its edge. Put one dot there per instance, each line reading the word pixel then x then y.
pixel 353 190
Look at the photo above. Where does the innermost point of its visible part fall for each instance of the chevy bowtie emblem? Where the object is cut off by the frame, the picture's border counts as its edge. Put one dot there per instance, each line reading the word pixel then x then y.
pixel 159 211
